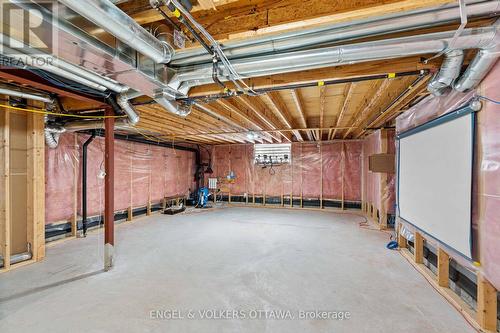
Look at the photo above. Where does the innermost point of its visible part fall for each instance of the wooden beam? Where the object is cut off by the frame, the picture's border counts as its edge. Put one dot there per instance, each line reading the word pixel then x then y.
pixel 374 100
pixel 394 109
pixel 486 304
pixel 256 106
pixel 226 116
pixel 142 12
pixel 24 77
pixel 322 98
pixel 36 183
pixel 248 18
pixel 329 73
pixel 292 16
pixel 299 105
pixel 348 91
pixel 281 111
pixel 443 269
pixel 419 248
pixel 5 187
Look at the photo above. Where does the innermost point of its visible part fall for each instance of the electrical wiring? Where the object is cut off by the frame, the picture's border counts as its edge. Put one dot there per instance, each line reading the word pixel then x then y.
pixel 233 74
pixel 488 99
pixel 58 114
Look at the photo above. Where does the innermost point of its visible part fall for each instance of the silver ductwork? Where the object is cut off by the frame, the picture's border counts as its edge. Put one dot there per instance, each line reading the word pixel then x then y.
pixel 338 55
pixel 325 35
pixel 21 94
pixel 480 65
pixel 106 15
pixel 52 135
pixel 124 102
pixel 449 72
pixel 17 258
pixel 165 100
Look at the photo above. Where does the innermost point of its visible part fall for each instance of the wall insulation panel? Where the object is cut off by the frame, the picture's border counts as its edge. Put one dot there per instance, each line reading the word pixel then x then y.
pixel 142 173
pixel 314 167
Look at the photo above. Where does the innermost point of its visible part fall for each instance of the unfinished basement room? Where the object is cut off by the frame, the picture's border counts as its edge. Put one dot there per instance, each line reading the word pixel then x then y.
pixel 216 166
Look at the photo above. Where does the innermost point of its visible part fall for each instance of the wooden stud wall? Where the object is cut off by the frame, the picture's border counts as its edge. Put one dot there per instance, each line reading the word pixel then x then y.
pixel 22 186
pixel 484 318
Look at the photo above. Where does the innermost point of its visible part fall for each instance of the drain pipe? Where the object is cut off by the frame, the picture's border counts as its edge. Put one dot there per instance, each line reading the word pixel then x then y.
pixel 109 17
pixel 449 72
pixel 84 182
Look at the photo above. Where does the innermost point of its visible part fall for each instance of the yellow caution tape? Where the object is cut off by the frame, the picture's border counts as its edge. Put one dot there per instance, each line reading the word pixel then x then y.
pixel 391 75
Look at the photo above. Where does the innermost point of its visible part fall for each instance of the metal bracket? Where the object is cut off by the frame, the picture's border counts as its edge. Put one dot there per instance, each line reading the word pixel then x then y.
pixel 458 32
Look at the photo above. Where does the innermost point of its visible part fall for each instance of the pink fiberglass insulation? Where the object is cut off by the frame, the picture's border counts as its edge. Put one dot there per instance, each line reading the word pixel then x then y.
pixel 142 173
pixel 352 174
pixel 333 159
pixel 486 179
pixel 311 170
pixel 158 174
pixel 59 174
pixel 302 177
pixel 95 181
pixel 123 167
pixel 379 188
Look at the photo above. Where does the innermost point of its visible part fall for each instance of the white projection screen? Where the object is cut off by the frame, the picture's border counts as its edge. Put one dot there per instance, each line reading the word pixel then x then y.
pixel 435 178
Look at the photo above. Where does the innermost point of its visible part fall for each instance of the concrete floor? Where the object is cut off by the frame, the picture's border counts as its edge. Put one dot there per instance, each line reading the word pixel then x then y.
pixel 243 259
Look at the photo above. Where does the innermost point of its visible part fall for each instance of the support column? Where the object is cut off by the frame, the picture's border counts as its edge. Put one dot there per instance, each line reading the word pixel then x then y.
pixel 486 304
pixel 109 218
pixel 419 248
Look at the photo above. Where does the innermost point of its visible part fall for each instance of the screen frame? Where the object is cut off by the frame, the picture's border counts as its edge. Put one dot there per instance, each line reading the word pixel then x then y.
pixel 450 116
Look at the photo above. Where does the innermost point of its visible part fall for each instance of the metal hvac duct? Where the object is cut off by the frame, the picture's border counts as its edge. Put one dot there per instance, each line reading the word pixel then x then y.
pixel 449 72
pixel 103 67
pixel 338 55
pixel 21 94
pixel 106 15
pixel 481 64
pixel 172 106
pixel 52 135
pixel 302 39
pixel 124 102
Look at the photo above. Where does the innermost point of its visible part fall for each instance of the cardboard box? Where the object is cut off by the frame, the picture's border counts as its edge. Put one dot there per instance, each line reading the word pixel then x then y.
pixel 385 163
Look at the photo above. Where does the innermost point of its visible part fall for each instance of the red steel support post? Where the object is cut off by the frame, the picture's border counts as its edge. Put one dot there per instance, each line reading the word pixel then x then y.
pixel 109 218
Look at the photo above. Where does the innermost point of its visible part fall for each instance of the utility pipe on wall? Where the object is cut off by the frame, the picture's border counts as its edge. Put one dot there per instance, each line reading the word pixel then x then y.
pixel 84 181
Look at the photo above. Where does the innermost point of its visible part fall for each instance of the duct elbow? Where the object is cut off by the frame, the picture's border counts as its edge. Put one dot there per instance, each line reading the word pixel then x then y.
pixel 124 103
pixel 448 73
pixel 167 100
pixel 478 68
pixel 52 135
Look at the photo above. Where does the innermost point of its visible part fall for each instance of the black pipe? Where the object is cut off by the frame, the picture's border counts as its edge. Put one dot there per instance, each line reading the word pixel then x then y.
pixel 311 84
pixel 84 182
pixel 187 25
